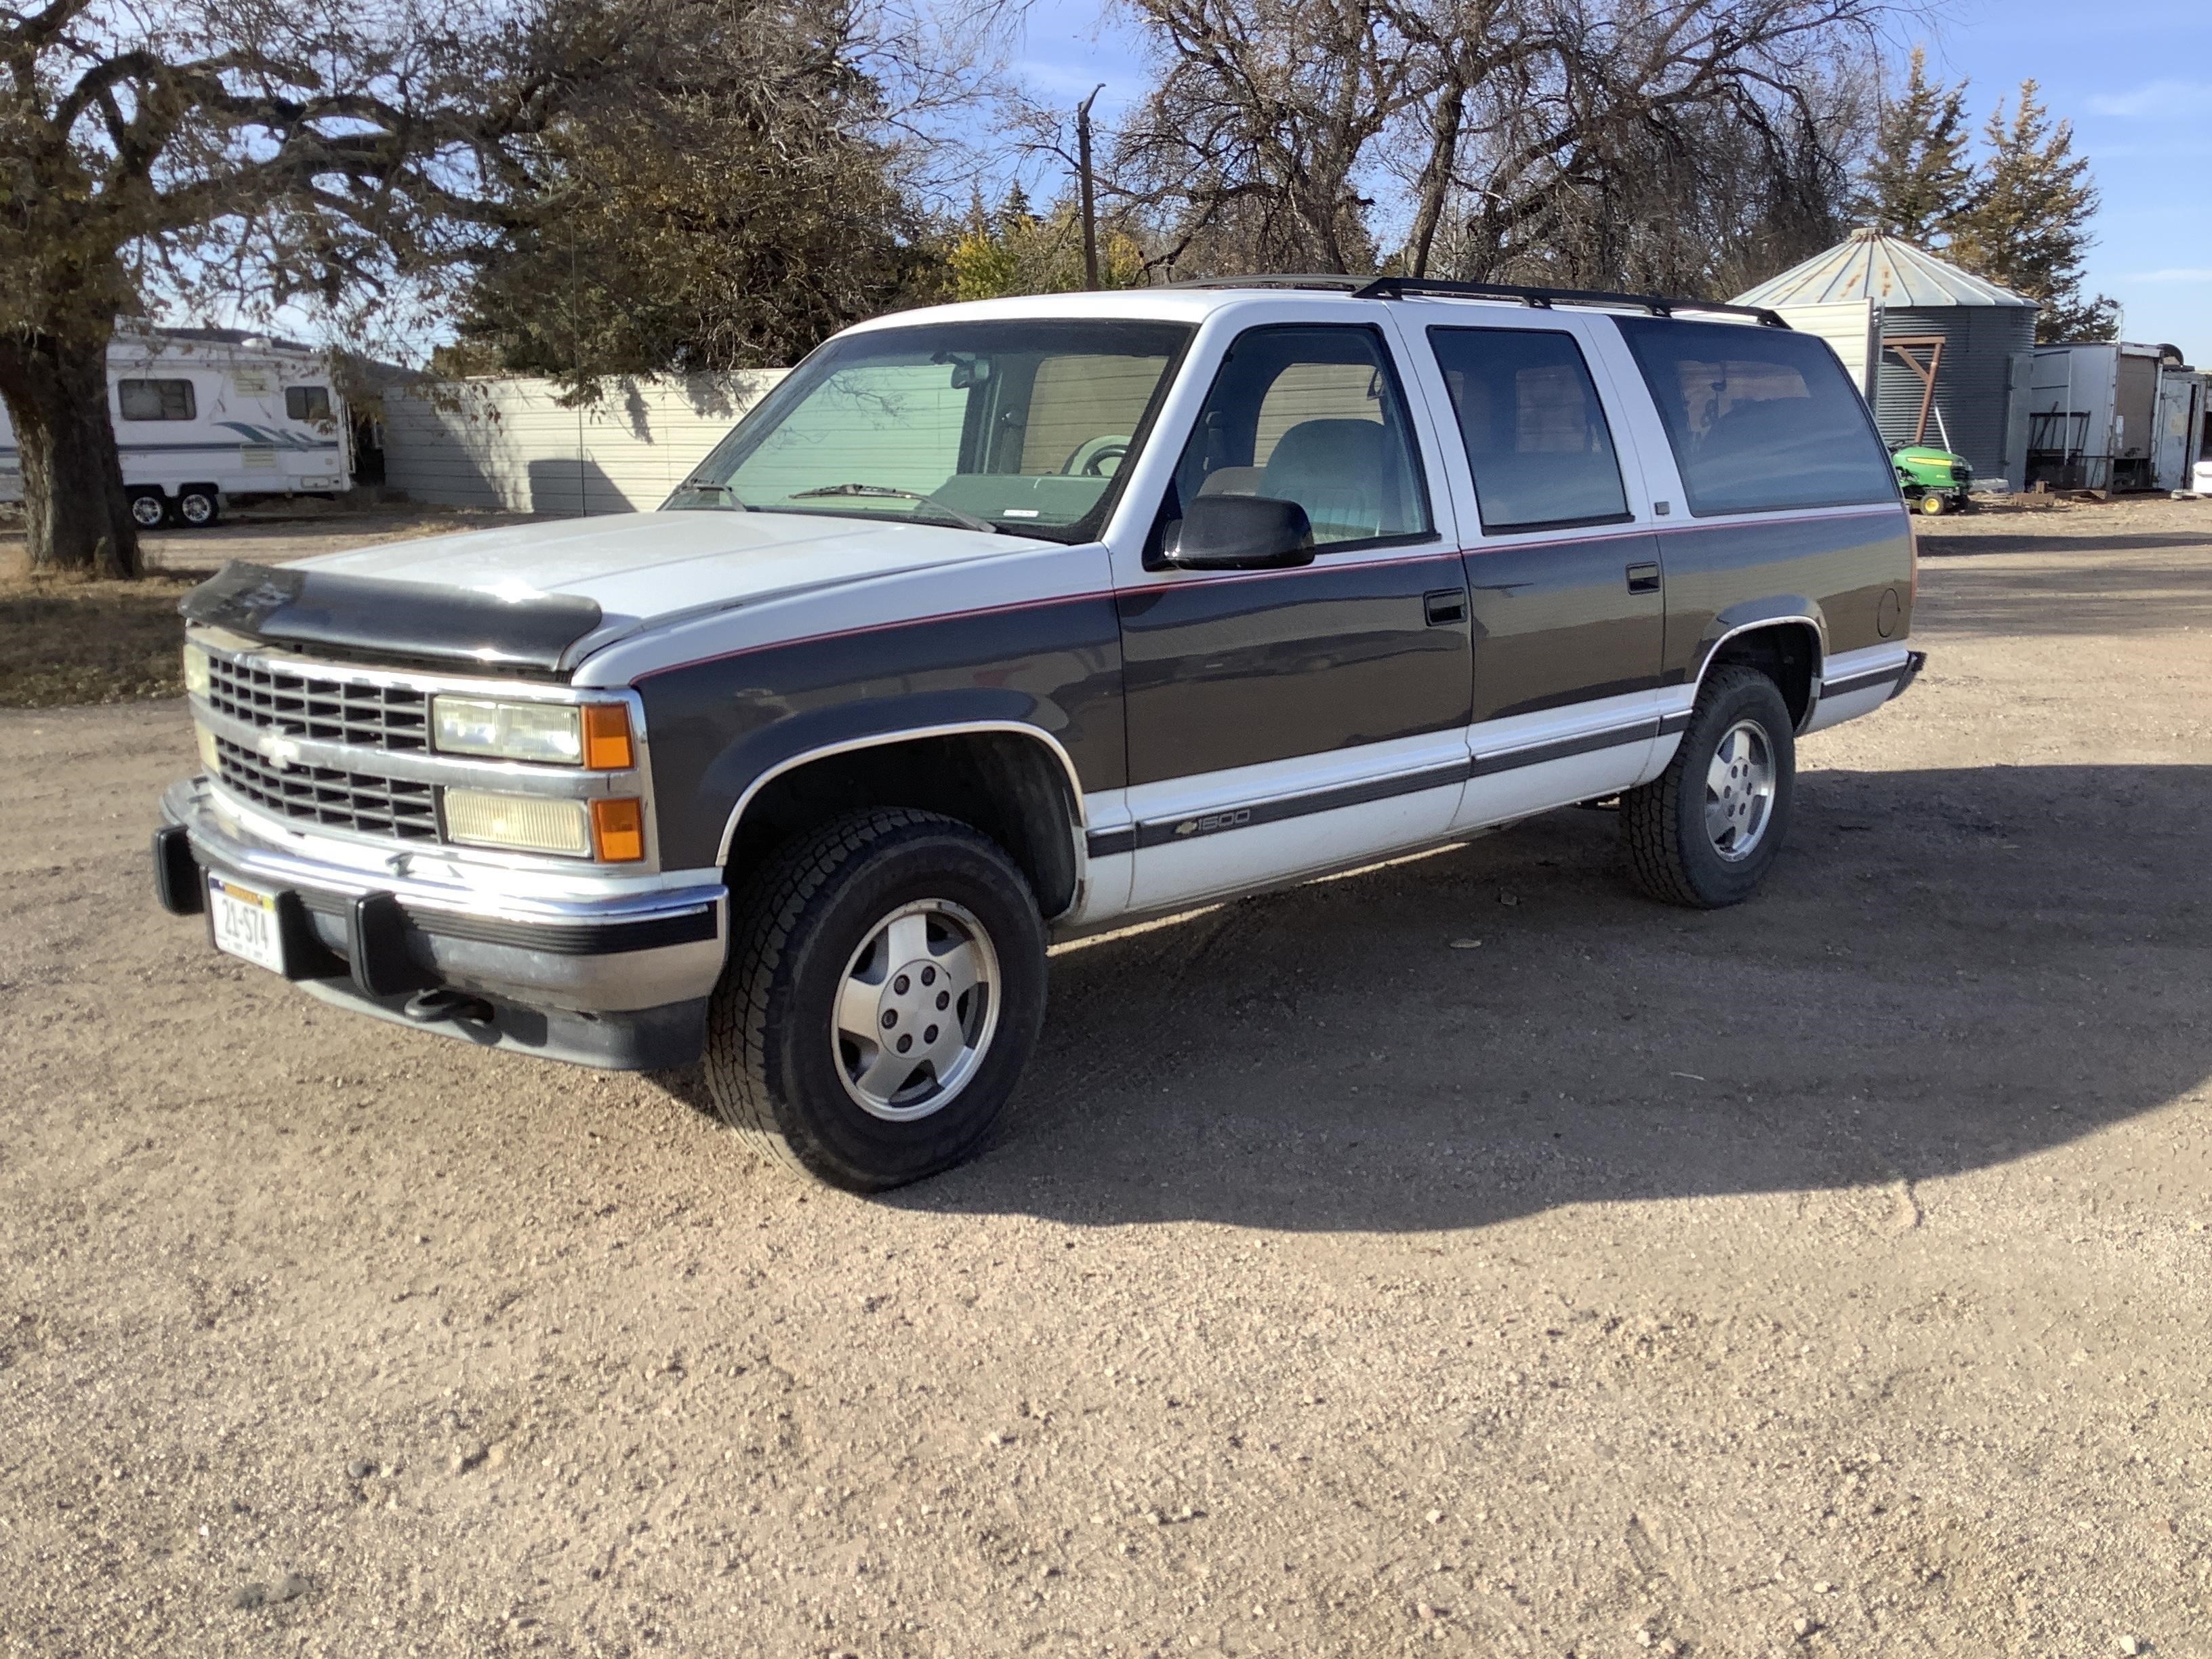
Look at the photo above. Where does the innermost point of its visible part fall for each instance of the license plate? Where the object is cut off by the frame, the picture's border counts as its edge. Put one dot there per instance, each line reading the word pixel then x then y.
pixel 244 924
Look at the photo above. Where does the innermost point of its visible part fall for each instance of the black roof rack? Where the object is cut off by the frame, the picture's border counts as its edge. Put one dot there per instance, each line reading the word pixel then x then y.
pixel 1542 299
pixel 1278 279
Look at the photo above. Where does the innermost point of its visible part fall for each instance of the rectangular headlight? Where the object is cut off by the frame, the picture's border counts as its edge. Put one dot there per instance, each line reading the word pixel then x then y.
pixel 196 671
pixel 519 824
pixel 550 732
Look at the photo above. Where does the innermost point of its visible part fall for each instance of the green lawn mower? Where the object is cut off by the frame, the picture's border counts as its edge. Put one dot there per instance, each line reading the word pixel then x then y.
pixel 1934 480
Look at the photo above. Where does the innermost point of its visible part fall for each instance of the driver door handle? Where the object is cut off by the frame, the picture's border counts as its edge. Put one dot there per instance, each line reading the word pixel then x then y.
pixel 1444 607
pixel 1643 579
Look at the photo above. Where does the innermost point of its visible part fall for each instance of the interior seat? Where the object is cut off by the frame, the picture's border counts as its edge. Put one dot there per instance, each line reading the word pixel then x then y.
pixel 1342 472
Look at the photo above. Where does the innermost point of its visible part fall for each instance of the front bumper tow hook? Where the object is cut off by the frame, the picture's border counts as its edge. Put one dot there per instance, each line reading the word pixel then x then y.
pixel 429 1007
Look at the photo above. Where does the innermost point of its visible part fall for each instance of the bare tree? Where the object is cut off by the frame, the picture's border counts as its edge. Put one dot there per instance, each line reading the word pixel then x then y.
pixel 299 152
pixel 363 157
pixel 1264 118
pixel 1345 134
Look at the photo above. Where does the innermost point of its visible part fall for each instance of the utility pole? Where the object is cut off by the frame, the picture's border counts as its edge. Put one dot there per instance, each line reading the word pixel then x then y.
pixel 1085 186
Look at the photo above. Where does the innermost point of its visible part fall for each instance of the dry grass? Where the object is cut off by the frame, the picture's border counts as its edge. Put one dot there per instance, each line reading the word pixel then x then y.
pixel 65 640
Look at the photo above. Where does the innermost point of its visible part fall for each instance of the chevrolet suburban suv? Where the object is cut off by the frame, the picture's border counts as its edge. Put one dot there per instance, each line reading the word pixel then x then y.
pixel 1003 623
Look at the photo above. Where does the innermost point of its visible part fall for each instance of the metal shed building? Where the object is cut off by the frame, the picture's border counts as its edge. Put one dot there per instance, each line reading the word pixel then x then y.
pixel 1895 313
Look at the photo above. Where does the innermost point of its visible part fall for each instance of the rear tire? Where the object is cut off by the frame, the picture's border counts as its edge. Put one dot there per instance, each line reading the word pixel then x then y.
pixel 197 507
pixel 1704 832
pixel 149 508
pixel 881 929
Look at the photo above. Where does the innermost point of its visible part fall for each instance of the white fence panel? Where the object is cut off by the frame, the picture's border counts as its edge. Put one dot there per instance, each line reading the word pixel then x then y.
pixel 509 445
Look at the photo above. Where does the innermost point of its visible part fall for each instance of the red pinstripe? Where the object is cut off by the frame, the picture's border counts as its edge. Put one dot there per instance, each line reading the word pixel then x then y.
pixel 1432 556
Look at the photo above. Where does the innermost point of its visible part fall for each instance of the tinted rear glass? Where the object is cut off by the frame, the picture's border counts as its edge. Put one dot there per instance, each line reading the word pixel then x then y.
pixel 1760 418
pixel 1535 433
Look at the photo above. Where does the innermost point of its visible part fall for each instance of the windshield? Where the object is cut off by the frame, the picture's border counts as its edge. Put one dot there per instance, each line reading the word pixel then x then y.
pixel 1018 427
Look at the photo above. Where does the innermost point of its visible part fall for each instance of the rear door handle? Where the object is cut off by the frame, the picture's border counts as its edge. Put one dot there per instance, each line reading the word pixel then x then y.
pixel 1444 607
pixel 1643 579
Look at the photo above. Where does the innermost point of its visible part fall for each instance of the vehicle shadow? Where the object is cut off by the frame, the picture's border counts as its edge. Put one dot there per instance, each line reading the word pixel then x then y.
pixel 1934 544
pixel 1945 970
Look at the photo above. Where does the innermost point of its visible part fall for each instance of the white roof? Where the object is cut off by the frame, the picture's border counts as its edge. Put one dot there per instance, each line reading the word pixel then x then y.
pixel 1885 270
pixel 1195 305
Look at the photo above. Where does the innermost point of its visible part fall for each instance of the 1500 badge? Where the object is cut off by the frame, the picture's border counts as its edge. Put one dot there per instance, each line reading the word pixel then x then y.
pixel 1215 821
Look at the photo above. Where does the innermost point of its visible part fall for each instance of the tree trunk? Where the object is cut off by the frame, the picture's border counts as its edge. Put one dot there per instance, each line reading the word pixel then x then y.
pixel 1436 176
pixel 78 516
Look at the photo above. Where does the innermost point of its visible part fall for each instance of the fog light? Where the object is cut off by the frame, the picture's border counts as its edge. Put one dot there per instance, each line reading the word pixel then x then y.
pixel 521 824
pixel 211 756
pixel 618 828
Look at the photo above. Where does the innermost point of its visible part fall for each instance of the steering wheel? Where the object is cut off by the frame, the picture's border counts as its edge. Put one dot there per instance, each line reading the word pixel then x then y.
pixel 1096 458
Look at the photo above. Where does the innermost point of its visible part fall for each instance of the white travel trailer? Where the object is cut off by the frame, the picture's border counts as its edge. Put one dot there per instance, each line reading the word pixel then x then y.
pixel 203 414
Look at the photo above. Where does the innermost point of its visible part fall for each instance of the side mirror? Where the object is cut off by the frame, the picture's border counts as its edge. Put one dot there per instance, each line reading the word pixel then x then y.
pixel 1237 533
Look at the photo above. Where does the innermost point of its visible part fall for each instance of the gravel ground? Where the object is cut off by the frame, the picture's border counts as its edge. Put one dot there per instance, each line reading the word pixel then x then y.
pixel 1825 1276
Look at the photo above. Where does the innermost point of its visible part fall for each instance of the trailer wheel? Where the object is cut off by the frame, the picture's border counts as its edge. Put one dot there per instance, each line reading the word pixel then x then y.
pixel 148 507
pixel 198 505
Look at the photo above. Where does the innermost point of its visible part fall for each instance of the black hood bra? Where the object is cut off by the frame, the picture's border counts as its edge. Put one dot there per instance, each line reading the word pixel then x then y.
pixel 370 617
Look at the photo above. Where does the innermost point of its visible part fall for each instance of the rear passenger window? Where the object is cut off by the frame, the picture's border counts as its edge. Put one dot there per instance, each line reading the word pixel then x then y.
pixel 157 400
pixel 1760 419
pixel 1535 433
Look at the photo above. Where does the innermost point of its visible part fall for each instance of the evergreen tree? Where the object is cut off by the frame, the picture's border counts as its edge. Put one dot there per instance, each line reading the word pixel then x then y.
pixel 2028 227
pixel 1918 183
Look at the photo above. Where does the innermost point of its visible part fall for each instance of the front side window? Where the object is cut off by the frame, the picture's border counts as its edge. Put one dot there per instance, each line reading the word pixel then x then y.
pixel 1019 425
pixel 1537 435
pixel 1312 416
pixel 308 403
pixel 157 400
pixel 1760 419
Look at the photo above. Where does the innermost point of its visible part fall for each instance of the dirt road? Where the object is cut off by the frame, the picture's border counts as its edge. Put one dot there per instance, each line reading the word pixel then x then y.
pixel 1826 1276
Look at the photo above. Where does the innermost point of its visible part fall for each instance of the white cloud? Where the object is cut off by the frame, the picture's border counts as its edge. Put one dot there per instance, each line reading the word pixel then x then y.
pixel 2170 97
pixel 2173 274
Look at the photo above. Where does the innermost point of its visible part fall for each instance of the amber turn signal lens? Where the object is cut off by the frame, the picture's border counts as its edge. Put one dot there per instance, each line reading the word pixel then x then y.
pixel 606 738
pixel 619 828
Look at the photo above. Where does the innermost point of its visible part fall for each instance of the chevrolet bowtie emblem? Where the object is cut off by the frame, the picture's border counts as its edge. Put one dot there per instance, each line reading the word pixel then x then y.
pixel 281 750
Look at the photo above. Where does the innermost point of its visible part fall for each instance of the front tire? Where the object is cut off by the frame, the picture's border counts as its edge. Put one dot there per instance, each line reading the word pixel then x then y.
pixel 886 988
pixel 1705 831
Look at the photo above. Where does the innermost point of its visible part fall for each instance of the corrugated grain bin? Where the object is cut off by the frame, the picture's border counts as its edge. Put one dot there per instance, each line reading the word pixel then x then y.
pixel 1979 338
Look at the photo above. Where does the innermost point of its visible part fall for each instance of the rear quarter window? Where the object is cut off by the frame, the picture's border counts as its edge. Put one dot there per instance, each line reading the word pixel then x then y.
pixel 1760 419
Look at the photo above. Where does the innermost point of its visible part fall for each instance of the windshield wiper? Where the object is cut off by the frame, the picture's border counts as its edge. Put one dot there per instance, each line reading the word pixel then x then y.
pixel 878 490
pixel 729 497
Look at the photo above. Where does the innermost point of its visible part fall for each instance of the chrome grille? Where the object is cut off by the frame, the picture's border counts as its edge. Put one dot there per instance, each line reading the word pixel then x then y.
pixel 320 706
pixel 326 795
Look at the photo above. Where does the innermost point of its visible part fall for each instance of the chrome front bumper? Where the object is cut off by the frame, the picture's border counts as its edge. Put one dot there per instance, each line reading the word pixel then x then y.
pixel 617 980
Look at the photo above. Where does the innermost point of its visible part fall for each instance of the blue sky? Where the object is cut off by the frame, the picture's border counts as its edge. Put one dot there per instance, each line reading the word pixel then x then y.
pixel 2136 82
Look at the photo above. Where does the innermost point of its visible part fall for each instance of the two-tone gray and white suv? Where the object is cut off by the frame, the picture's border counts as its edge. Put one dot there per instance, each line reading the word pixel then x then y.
pixel 1002 622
